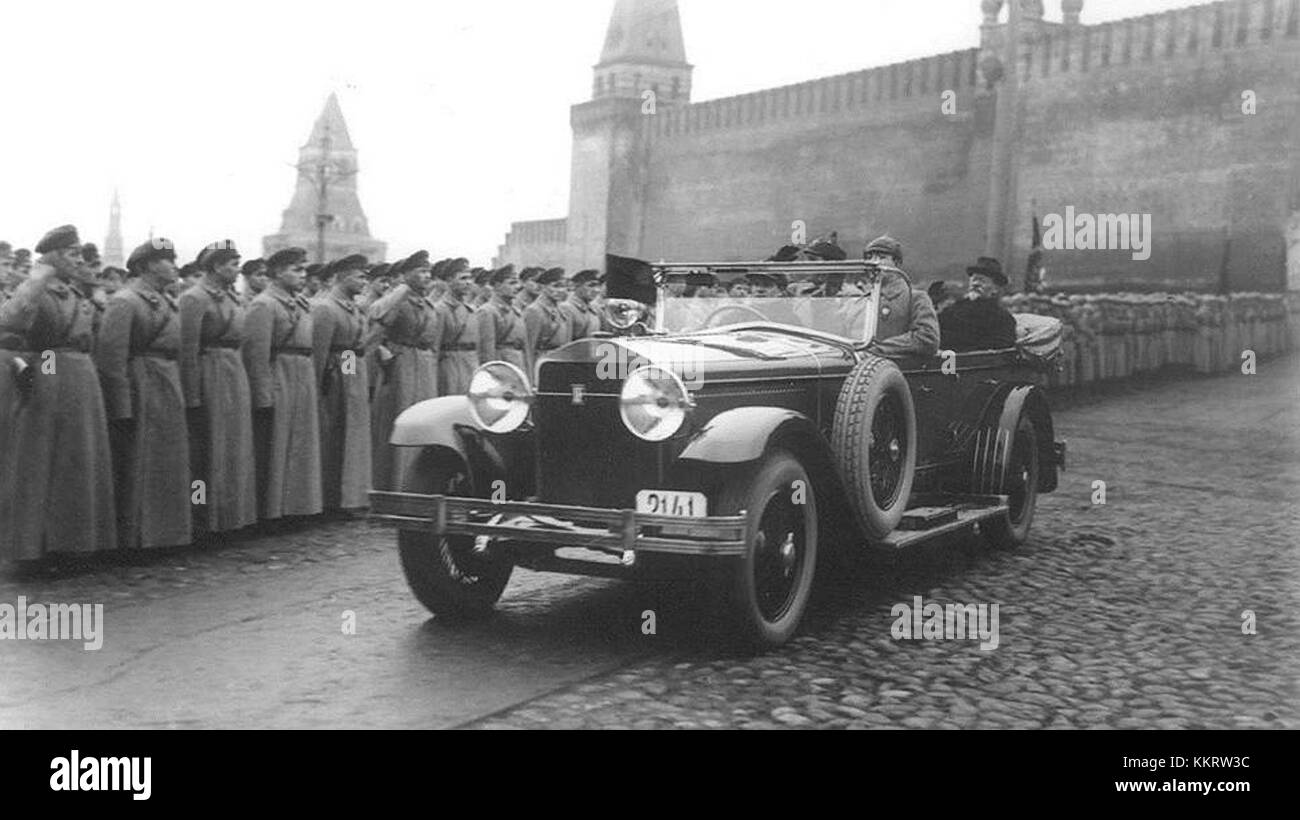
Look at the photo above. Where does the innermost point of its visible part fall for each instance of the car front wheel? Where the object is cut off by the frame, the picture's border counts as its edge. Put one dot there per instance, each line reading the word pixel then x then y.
pixel 448 576
pixel 768 589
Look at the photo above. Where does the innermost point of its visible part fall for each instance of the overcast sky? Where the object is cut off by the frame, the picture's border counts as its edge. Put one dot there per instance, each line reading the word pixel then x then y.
pixel 460 110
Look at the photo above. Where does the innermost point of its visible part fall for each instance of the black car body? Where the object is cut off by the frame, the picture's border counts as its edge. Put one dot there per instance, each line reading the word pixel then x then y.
pixel 884 452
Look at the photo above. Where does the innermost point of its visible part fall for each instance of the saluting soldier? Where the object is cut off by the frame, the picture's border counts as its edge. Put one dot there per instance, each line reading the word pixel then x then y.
pixel 501 323
pixel 579 310
pixel 405 330
pixel 458 353
pixel 545 328
pixel 56 476
pixel 338 332
pixel 278 356
pixel 136 353
pixel 217 394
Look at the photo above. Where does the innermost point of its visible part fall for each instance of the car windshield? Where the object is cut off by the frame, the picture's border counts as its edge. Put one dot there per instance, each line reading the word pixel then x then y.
pixel 839 303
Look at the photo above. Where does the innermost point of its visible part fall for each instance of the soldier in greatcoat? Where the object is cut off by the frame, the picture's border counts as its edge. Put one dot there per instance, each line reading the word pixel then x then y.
pixel 545 328
pixel 906 324
pixel 579 309
pixel 278 357
pixel 217 395
pixel 404 335
pixel 136 354
pixel 528 288
pixel 338 339
pixel 255 281
pixel 56 477
pixel 458 352
pixel 501 323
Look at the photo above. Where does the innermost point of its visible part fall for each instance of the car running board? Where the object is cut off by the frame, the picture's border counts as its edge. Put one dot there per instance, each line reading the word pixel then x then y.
pixel 933 516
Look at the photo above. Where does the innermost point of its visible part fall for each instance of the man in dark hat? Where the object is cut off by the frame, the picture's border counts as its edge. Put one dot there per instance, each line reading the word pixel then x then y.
pixel 313 284
pixel 56 477
pixel 339 333
pixel 458 357
pixel 545 328
pixel 217 395
pixel 906 324
pixel 501 323
pixel 482 290
pixel 191 274
pixel 23 264
pixel 579 310
pixel 278 356
pixel 136 353
pixel 528 287
pixel 405 331
pixel 980 322
pixel 255 281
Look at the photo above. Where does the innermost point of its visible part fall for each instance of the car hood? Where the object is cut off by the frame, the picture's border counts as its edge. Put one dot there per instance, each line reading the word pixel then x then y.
pixel 738 353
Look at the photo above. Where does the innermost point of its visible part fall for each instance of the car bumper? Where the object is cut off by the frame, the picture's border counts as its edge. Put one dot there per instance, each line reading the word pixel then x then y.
pixel 555 525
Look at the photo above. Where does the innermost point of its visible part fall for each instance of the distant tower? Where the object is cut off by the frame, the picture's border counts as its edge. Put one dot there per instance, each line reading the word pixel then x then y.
pixel 326 196
pixel 642 71
pixel 113 242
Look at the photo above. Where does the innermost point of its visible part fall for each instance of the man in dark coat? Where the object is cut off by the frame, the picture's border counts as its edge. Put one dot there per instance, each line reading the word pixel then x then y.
pixel 217 394
pixel 579 310
pixel 278 356
pixel 980 322
pixel 906 324
pixel 501 323
pixel 56 477
pixel 338 332
pixel 544 326
pixel 136 353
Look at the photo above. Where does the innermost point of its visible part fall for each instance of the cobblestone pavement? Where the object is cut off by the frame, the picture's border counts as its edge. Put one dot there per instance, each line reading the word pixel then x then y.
pixel 1126 615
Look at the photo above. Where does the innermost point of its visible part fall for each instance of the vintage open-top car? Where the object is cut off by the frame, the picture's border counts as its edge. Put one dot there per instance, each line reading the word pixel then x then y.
pixel 719 439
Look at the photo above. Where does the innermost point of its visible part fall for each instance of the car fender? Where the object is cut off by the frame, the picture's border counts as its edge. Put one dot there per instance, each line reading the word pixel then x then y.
pixel 1004 415
pixel 447 424
pixel 433 423
pixel 743 434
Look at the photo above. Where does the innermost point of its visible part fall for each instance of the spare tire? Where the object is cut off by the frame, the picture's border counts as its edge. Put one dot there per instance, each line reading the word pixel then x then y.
pixel 874 439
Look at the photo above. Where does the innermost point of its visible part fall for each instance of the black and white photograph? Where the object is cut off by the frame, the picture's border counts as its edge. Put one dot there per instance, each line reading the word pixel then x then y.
pixel 652 365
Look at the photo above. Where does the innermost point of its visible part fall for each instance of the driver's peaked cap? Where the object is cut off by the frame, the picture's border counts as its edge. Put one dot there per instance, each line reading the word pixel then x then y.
pixel 629 279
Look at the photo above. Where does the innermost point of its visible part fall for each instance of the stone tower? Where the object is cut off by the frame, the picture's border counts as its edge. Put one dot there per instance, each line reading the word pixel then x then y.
pixel 642 71
pixel 326 191
pixel 113 256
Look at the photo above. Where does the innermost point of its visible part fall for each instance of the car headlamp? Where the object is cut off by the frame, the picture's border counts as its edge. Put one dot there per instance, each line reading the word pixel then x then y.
pixel 654 403
pixel 499 397
pixel 624 313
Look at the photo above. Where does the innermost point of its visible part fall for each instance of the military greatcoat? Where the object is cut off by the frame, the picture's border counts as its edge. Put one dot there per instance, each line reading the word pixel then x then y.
pixel 544 330
pixel 217 395
pixel 338 334
pixel 56 476
pixel 458 354
pixel 136 353
pixel 501 333
pixel 583 318
pixel 405 332
pixel 278 356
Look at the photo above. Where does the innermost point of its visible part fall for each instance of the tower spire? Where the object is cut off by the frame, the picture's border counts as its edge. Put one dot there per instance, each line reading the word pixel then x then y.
pixel 113 253
pixel 644 51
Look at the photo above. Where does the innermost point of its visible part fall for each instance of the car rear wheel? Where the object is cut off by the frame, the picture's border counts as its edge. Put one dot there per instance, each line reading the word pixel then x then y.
pixel 448 576
pixel 1020 485
pixel 874 438
pixel 768 589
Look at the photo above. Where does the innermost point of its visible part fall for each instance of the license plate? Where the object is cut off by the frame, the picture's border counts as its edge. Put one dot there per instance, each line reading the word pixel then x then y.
pixel 673 503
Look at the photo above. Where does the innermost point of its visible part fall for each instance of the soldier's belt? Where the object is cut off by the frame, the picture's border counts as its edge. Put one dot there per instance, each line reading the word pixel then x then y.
pixel 425 347
pixel 223 346
pixel 292 351
pixel 165 355
pixel 55 349
pixel 357 351
pixel 462 348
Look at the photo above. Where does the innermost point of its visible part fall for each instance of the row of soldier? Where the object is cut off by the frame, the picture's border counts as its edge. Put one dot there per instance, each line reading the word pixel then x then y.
pixel 144 414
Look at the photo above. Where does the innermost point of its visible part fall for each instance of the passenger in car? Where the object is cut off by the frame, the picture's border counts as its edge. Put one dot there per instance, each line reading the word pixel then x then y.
pixel 906 324
pixel 980 322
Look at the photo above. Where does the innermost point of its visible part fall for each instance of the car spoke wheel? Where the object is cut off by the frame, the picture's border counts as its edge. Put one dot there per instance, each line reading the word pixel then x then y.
pixel 770 586
pixel 874 441
pixel 449 575
pixel 1020 485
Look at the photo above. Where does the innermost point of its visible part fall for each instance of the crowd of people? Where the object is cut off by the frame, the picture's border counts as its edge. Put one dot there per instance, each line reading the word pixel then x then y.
pixel 151 405
pixel 147 406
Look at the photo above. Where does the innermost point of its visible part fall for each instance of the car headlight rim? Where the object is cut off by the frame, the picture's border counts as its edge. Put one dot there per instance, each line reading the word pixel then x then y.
pixel 654 403
pixel 623 314
pixel 500 397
